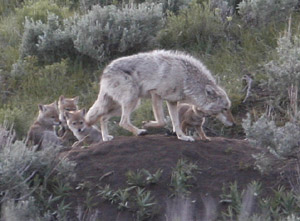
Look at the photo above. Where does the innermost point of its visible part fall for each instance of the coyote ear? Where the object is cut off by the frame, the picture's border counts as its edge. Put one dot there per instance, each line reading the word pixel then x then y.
pixel 42 107
pixel 76 99
pixel 62 98
pixel 209 90
pixel 83 112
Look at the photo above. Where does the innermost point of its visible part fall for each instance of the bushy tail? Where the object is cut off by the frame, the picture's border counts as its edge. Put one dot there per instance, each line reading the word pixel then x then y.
pixel 99 108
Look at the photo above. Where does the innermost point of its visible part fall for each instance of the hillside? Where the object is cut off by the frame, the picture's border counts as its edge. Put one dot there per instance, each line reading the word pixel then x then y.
pixel 220 162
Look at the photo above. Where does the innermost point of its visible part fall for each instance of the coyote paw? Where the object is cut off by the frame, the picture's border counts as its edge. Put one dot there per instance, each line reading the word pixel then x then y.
pixel 142 132
pixel 108 138
pixel 186 138
pixel 205 139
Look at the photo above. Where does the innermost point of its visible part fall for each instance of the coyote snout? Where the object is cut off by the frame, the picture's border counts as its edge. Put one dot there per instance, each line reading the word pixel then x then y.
pixel 226 118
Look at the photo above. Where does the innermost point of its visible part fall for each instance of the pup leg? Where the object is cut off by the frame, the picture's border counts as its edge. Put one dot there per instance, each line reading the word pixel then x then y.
pixel 201 132
pixel 127 108
pixel 184 126
pixel 157 106
pixel 172 107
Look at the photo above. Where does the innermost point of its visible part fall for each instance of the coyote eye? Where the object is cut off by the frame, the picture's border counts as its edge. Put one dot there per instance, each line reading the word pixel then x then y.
pixel 53 117
pixel 74 123
pixel 81 122
pixel 225 109
pixel 67 109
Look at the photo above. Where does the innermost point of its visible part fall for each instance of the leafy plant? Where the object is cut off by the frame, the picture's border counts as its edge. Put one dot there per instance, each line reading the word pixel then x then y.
pixel 196 26
pixel 35 178
pixel 260 12
pixel 143 177
pixel 181 175
pixel 144 204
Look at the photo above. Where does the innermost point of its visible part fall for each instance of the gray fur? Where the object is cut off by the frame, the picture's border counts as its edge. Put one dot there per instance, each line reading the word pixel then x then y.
pixel 161 75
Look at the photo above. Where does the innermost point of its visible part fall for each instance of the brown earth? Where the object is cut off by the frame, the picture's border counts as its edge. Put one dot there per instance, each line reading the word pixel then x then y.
pixel 220 161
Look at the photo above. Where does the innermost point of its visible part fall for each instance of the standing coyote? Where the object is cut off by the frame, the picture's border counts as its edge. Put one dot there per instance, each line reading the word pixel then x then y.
pixel 84 133
pixel 162 75
pixel 190 116
pixel 41 132
pixel 66 104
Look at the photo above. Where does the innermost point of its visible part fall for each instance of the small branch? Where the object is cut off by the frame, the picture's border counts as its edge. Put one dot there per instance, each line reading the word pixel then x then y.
pixel 249 82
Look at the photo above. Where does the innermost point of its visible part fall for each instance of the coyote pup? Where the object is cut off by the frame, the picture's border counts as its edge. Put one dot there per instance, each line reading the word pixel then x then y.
pixel 66 104
pixel 162 75
pixel 83 132
pixel 190 116
pixel 41 132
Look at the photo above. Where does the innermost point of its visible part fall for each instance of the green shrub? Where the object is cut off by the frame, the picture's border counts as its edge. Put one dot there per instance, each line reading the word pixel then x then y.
pixel 261 12
pixel 39 10
pixel 102 34
pixel 284 74
pixel 38 178
pixel 282 142
pixel 195 27
pixel 9 42
pixel 32 84
pixel 7 6
pixel 107 32
pixel 49 42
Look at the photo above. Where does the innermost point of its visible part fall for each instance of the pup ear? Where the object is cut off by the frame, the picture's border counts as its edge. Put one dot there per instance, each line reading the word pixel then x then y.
pixel 61 98
pixel 76 99
pixel 55 104
pixel 209 90
pixel 42 107
pixel 83 112
pixel 67 114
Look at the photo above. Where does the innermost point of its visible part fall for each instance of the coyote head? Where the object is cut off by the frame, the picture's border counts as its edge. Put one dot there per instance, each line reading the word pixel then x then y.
pixel 48 114
pixel 66 104
pixel 75 121
pixel 214 100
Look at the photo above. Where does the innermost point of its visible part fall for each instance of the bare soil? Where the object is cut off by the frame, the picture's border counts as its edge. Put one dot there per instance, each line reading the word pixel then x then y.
pixel 221 161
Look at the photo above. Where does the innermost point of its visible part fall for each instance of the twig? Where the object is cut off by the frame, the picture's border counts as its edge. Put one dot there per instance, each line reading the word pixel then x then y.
pixel 249 82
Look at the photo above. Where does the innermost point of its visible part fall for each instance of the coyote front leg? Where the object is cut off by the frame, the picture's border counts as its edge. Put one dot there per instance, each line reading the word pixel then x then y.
pixel 172 107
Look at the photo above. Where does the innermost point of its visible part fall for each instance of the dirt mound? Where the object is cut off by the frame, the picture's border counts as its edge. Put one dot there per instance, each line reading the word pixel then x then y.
pixel 220 162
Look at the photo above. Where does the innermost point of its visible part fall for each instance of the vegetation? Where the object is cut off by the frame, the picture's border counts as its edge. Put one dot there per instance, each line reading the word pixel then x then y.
pixel 50 48
pixel 33 185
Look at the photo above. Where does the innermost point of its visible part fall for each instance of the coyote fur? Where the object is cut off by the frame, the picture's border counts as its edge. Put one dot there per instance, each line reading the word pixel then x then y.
pixel 84 133
pixel 66 104
pixel 42 133
pixel 191 117
pixel 160 75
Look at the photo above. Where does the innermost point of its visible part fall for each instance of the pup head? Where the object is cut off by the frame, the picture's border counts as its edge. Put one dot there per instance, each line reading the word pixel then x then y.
pixel 75 120
pixel 66 104
pixel 48 114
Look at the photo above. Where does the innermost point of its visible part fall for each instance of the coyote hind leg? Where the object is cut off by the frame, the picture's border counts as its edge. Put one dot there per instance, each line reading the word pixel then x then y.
pixel 127 108
pixel 157 106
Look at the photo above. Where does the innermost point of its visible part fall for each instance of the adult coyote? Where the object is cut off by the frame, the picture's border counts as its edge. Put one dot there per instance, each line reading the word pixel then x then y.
pixel 162 75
